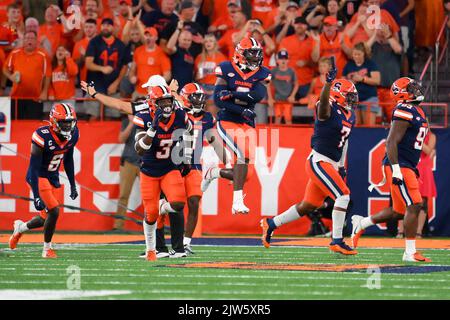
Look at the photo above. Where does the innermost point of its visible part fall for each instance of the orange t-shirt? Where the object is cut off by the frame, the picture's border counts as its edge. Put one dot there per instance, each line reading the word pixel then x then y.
pixel 33 67
pixel 261 10
pixel 299 50
pixel 226 44
pixel 332 47
pixel 149 63
pixel 318 85
pixel 204 69
pixel 2 56
pixel 219 7
pixel 76 54
pixel 53 33
pixel 63 82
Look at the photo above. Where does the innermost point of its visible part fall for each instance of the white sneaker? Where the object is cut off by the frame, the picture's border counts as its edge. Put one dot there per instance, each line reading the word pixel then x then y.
pixel 357 229
pixel 162 254
pixel 239 207
pixel 207 179
pixel 161 203
pixel 415 257
pixel 173 254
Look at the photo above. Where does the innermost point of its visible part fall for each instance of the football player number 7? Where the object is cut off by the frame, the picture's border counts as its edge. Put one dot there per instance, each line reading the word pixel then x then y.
pixel 344 132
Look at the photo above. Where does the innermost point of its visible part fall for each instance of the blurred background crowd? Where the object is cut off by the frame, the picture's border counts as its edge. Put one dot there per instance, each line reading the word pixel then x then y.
pixel 47 47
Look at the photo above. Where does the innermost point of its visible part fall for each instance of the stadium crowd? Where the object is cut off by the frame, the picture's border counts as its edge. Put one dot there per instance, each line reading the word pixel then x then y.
pixel 47 47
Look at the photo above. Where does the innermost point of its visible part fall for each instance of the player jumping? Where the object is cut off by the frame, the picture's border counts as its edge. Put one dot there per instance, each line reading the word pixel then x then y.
pixel 240 85
pixel 325 165
pixel 409 127
pixel 50 145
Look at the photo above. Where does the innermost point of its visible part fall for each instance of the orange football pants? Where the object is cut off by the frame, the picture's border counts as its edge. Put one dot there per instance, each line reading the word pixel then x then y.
pixel 51 196
pixel 406 194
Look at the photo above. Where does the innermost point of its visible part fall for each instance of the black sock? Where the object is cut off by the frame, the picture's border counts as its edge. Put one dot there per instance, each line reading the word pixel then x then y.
pixel 161 241
pixel 36 222
pixel 177 230
pixel 50 224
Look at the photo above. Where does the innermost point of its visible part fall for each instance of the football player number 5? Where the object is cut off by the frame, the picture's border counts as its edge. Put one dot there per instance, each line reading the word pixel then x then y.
pixel 344 132
pixel 420 138
pixel 54 163
pixel 164 147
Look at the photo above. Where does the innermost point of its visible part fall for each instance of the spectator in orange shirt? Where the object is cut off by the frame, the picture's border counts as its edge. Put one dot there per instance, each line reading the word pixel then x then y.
pixel 318 83
pixel 304 51
pixel 51 30
pixel 229 40
pixel 332 44
pixel 149 59
pixel 79 49
pixel 4 10
pixel 13 30
pixel 64 73
pixel 205 64
pixel 2 76
pixel 225 22
pixel 91 10
pixel 332 8
pixel 29 71
pixel 261 10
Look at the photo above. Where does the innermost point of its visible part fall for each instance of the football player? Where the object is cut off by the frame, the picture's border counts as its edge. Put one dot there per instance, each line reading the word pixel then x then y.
pixel 325 165
pixel 50 145
pixel 409 127
pixel 155 141
pixel 240 84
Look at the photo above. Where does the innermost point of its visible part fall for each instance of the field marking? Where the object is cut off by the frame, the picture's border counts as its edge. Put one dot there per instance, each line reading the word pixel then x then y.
pixel 13 294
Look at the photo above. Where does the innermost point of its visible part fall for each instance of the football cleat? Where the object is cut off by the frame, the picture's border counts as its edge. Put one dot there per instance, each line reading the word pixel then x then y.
pixel 239 207
pixel 188 249
pixel 174 254
pixel 416 257
pixel 49 253
pixel 342 248
pixel 161 203
pixel 151 255
pixel 357 229
pixel 15 237
pixel 162 254
pixel 267 232
pixel 207 179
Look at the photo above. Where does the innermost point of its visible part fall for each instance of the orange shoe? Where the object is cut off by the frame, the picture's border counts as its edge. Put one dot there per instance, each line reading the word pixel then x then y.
pixel 342 248
pixel 151 255
pixel 50 254
pixel 416 257
pixel 15 237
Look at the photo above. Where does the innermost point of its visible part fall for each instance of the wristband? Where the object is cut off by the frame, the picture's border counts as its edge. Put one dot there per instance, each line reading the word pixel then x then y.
pixel 151 132
pixel 93 95
pixel 143 145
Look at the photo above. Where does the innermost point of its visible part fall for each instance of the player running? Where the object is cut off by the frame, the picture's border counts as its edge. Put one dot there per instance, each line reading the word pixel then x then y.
pixel 50 145
pixel 155 142
pixel 409 127
pixel 240 84
pixel 325 165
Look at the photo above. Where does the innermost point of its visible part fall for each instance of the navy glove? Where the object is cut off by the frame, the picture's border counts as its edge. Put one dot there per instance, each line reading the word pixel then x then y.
pixel 248 115
pixel 185 168
pixel 225 95
pixel 39 205
pixel 331 75
pixel 156 118
pixel 342 172
pixel 73 192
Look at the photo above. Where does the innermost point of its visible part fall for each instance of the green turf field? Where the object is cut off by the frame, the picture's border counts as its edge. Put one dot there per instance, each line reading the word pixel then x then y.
pixel 116 272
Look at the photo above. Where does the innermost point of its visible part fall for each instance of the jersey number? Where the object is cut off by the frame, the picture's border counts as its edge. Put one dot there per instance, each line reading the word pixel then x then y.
pixel 114 57
pixel 344 132
pixel 420 138
pixel 241 89
pixel 54 163
pixel 164 146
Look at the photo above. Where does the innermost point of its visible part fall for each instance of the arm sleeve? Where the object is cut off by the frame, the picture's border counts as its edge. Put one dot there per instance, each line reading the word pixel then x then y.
pixel 252 96
pixel 344 155
pixel 227 105
pixel 69 167
pixel 33 176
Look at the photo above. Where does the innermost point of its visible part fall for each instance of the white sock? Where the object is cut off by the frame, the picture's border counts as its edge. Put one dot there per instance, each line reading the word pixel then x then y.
pixel 410 246
pixel 289 215
pixel 47 245
pixel 150 235
pixel 166 207
pixel 366 222
pixel 237 196
pixel 23 227
pixel 186 240
pixel 228 165
pixel 338 223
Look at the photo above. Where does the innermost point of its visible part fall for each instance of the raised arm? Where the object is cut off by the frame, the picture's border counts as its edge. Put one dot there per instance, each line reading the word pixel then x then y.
pixel 109 102
pixel 324 109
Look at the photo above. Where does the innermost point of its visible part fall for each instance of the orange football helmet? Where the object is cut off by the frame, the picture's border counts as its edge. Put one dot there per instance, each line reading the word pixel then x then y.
pixel 162 98
pixel 406 90
pixel 63 119
pixel 194 97
pixel 248 54
pixel 344 93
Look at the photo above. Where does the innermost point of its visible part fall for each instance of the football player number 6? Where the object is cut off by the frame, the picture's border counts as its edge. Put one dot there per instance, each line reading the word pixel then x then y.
pixel 344 132
pixel 164 146
pixel 54 163
pixel 420 138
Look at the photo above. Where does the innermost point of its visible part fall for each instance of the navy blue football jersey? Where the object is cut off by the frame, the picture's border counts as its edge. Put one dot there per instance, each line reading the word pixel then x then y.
pixel 201 125
pixel 54 151
pixel 239 82
pixel 410 147
pixel 157 161
pixel 330 135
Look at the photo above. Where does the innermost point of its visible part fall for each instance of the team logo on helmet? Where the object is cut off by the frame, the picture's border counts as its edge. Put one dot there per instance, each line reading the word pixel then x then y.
pixel 248 54
pixel 63 119
pixel 344 93
pixel 194 97
pixel 407 90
